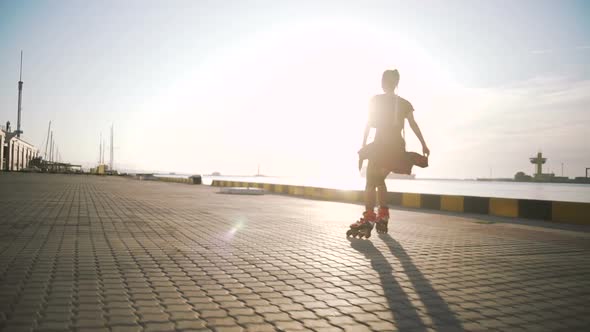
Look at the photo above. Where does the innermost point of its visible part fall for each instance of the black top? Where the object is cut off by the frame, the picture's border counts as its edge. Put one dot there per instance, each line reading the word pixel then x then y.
pixel 387 113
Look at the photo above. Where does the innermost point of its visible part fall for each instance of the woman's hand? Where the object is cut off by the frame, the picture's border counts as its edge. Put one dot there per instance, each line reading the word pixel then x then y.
pixel 425 150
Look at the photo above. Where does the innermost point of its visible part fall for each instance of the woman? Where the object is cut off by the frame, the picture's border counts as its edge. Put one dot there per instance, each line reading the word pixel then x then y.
pixel 387 153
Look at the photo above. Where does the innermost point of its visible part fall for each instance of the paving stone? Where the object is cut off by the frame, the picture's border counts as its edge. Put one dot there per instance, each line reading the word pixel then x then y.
pixel 136 328
pixel 213 313
pixel 122 320
pixel 183 315
pixel 118 305
pixel 190 325
pixel 260 327
pixel 290 326
pixel 159 327
pixel 328 329
pixel 229 329
pixel 355 328
pixel 221 321
pixel 89 323
pixel 96 329
pixel 349 310
pixel 53 326
pixel 341 320
pixel 99 253
pixel 249 319
pixel 315 324
pixel 473 326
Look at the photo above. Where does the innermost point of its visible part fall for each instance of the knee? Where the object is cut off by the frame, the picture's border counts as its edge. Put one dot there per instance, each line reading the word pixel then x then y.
pixel 380 182
pixel 372 182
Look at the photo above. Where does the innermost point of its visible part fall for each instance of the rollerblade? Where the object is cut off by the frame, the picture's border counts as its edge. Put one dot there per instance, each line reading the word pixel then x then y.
pixel 382 220
pixel 363 227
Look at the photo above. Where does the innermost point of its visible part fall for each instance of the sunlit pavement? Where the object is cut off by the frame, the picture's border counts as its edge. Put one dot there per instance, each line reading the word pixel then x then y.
pixel 97 254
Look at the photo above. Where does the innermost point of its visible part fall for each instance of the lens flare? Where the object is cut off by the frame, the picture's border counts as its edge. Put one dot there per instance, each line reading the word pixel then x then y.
pixel 236 227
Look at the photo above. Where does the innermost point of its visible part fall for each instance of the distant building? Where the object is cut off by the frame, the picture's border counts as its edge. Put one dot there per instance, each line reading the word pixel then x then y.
pixel 15 153
pixel 520 176
pixel 539 176
pixel 539 161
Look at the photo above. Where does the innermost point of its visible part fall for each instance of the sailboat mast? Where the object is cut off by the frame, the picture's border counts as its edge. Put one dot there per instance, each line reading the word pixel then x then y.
pixel 47 141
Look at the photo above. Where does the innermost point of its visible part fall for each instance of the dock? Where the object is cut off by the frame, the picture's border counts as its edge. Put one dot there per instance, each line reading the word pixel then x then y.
pixel 98 253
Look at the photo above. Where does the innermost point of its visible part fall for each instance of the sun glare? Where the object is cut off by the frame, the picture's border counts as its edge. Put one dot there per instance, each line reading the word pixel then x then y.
pixel 296 98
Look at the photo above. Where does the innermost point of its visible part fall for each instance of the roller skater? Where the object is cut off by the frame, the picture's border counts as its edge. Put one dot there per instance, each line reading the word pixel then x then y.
pixel 387 153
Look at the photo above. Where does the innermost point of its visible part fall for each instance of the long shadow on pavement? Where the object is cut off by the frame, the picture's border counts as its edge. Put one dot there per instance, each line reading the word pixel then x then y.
pixel 404 311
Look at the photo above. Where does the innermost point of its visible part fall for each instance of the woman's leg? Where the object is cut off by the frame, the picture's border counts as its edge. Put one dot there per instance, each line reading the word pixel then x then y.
pixel 382 190
pixel 372 183
pixel 364 226
pixel 369 197
pixel 383 211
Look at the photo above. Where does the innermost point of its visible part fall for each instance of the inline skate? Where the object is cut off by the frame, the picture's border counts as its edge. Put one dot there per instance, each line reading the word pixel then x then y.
pixel 382 220
pixel 363 227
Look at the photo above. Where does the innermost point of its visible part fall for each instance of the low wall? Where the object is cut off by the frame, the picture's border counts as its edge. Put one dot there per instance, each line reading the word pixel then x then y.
pixel 172 179
pixel 190 180
pixel 565 212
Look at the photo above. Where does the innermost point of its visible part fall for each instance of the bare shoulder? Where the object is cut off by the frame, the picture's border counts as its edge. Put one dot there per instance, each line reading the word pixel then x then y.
pixel 377 97
pixel 405 104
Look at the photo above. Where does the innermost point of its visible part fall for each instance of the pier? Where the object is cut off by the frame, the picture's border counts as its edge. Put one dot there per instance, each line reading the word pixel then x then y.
pixel 91 253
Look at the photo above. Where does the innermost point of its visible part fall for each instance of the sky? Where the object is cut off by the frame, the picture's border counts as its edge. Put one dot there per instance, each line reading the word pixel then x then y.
pixel 203 86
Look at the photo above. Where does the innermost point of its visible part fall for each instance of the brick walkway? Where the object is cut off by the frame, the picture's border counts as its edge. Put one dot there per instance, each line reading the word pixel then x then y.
pixel 112 254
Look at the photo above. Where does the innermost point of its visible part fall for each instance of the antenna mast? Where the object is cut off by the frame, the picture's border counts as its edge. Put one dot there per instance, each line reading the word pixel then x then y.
pixel 103 146
pixel 100 150
pixel 112 148
pixel 20 95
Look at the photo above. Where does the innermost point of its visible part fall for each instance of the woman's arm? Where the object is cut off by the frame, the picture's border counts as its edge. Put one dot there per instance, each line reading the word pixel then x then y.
pixel 416 130
pixel 366 134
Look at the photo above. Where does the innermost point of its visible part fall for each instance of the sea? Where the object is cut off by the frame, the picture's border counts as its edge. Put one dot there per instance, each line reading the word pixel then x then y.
pixel 567 192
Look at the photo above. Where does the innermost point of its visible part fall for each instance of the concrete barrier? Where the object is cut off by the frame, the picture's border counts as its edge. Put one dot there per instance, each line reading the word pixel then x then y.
pixel 175 180
pixel 195 179
pixel 556 211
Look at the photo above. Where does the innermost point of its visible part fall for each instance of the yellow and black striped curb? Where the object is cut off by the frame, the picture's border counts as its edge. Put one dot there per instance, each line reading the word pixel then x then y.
pixel 150 177
pixel 565 212
pixel 177 180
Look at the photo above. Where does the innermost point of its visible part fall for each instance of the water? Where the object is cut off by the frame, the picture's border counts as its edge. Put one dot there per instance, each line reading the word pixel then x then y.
pixel 567 192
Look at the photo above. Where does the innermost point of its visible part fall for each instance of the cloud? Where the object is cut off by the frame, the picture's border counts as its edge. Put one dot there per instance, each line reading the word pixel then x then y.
pixel 542 51
pixel 502 126
pixel 561 50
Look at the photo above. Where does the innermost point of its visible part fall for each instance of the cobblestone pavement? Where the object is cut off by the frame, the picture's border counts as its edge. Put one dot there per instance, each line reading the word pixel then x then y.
pixel 113 254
